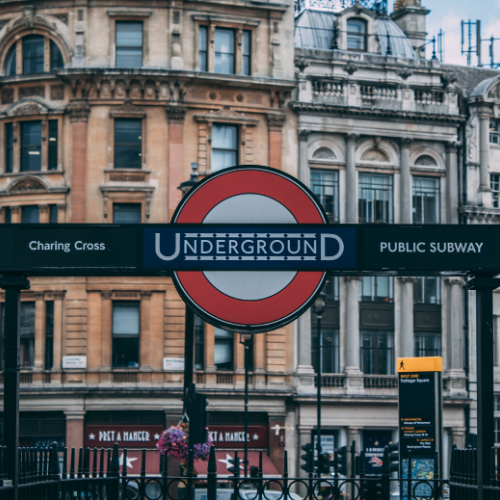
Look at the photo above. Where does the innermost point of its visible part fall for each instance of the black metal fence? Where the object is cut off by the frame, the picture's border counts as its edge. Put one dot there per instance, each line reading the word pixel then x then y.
pixel 95 475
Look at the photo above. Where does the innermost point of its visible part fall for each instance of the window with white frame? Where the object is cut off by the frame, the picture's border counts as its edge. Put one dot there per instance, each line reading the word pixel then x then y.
pixel 27 335
pixel 225 51
pixel 495 189
pixel 376 289
pixel 224 146
pixel 427 344
pixel 126 332
pixel 427 290
pixel 325 185
pixel 127 213
pixel 375 198
pixel 356 34
pixel 223 349
pixel 377 352
pixel 128 143
pixel 494 131
pixel 426 200
pixel 129 41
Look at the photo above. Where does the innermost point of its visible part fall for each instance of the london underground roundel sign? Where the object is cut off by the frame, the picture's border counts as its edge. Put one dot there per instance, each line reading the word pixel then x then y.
pixel 245 300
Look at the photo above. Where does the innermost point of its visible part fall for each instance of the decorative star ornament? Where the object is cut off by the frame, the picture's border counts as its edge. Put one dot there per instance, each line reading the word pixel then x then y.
pixel 129 461
pixel 91 436
pixel 226 461
pixel 255 437
pixel 157 436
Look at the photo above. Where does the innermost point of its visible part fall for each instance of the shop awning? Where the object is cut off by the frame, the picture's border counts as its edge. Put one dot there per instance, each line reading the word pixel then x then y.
pixel 222 457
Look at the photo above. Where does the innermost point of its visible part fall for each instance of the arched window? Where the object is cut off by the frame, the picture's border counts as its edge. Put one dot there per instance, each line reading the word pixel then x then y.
pixel 356 34
pixel 32 49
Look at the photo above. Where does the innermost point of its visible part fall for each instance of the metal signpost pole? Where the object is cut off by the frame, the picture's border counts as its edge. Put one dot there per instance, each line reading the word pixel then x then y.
pixel 248 344
pixel 12 287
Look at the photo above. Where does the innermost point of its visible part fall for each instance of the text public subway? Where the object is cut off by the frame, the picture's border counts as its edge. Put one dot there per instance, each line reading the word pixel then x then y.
pixel 56 246
pixel 432 247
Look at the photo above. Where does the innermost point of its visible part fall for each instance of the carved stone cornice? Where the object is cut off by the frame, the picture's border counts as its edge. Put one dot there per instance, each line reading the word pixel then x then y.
pixel 350 68
pixel 58 295
pixel 78 111
pixel 405 142
pixel 304 135
pixel 145 295
pixel 451 147
pixel 175 114
pixel 129 110
pixel 352 137
pixel 106 295
pixel 275 121
pixel 455 281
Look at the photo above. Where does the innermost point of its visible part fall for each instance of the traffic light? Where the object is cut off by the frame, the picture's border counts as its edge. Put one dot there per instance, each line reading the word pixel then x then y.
pixel 324 463
pixel 340 461
pixel 235 465
pixel 393 450
pixel 198 417
pixel 307 457
pixel 254 471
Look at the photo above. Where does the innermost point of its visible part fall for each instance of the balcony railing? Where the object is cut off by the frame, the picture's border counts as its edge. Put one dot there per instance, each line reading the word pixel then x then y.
pixel 334 381
pixel 377 92
pixel 429 96
pixel 125 377
pixel 380 381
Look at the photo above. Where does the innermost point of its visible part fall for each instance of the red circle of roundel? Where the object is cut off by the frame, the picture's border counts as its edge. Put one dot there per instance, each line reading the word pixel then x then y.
pixel 249 315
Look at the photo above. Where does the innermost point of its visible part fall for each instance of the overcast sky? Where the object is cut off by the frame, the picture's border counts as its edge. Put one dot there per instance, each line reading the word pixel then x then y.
pixel 447 14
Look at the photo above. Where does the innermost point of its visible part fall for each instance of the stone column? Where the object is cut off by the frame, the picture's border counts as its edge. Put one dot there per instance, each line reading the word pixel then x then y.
pixel 58 328
pixel 451 183
pixel 74 431
pixel 78 114
pixel 304 174
pixel 406 315
pixel 39 330
pixel 454 363
pixel 175 118
pixel 61 213
pixel 406 214
pixel 43 211
pixel 15 214
pixel 484 149
pixel 145 334
pixel 275 124
pixel 351 191
pixel 354 377
pixel 106 338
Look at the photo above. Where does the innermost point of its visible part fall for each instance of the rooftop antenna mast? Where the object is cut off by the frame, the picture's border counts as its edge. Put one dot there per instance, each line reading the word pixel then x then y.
pixel 467 30
pixel 440 44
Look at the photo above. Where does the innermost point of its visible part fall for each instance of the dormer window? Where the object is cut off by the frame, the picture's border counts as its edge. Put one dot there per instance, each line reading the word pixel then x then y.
pixel 356 34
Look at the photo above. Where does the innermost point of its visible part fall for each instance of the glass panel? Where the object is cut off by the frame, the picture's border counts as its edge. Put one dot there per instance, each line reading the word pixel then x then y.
pixel 7 215
pixel 495 189
pixel 224 147
pixel 30 214
pixel 127 213
pixel 426 200
pixel 427 290
pixel 245 52
pixel 376 288
pixel 128 143
pixel 126 318
pixel 202 48
pixel 53 136
pixel 27 333
pixel 33 48
pixel 9 147
pixel 427 344
pixel 31 146
pixel 53 214
pixel 128 44
pixel 377 352
pixel 494 131
pixel 224 51
pixel 325 185
pixel 331 288
pixel 356 30
pixel 126 352
pixel 56 60
pixel 49 334
pixel 10 65
pixel 330 355
pixel 223 349
pixel 375 198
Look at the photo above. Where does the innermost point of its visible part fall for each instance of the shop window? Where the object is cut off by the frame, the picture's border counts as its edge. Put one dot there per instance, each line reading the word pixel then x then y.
pixel 128 44
pixel 203 48
pixel 30 214
pixel 223 350
pixel 49 334
pixel 224 146
pixel 246 44
pixel 9 147
pixel 199 343
pixel 31 146
pixel 427 344
pixel 375 198
pixel 53 214
pixel 127 213
pixel 10 65
pixel 494 129
pixel 376 289
pixel 427 290
pixel 426 200
pixel 126 328
pixel 325 185
pixel 33 51
pixel 128 143
pixel 53 140
pixel 27 334
pixel 224 51
pixel 377 352
pixel 356 34
pixel 331 353
pixel 495 189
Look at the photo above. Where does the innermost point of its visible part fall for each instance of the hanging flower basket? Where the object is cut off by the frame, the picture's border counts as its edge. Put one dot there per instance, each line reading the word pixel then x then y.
pixel 174 442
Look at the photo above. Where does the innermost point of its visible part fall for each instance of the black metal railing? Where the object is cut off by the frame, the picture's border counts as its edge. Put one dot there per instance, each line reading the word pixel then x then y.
pixel 94 474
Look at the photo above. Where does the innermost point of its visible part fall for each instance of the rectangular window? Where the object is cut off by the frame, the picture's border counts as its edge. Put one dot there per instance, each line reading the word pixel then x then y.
pixel 126 328
pixel 30 214
pixel 325 185
pixel 128 44
pixel 31 146
pixel 331 288
pixel 427 290
pixel 9 147
pixel 426 200
pixel 49 334
pixel 223 350
pixel 246 47
pixel 127 213
pixel 2 335
pixel 203 48
pixel 27 328
pixel 427 344
pixel 497 430
pixel 224 146
pixel 356 34
pixel 128 143
pixel 7 215
pixel 53 139
pixel 377 352
pixel 331 352
pixel 495 189
pixel 199 343
pixel 56 60
pixel 375 198
pixel 376 289
pixel 224 51
pixel 53 214
pixel 33 50
pixel 494 132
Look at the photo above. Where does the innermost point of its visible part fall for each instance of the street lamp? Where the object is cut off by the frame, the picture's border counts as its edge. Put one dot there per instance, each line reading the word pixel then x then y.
pixel 247 340
pixel 318 309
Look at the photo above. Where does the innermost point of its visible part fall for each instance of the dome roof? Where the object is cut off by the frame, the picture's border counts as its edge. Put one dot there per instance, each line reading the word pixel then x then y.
pixel 389 31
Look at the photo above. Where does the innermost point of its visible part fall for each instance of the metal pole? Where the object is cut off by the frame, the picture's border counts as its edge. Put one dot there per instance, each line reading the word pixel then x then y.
pixel 188 354
pixel 247 345
pixel 12 287
pixel 318 402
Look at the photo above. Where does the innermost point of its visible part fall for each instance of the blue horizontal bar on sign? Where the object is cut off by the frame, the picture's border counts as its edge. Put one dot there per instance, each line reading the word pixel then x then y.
pixel 249 248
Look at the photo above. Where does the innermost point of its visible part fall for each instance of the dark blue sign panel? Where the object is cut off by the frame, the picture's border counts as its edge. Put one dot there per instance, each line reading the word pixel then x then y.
pixel 248 247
